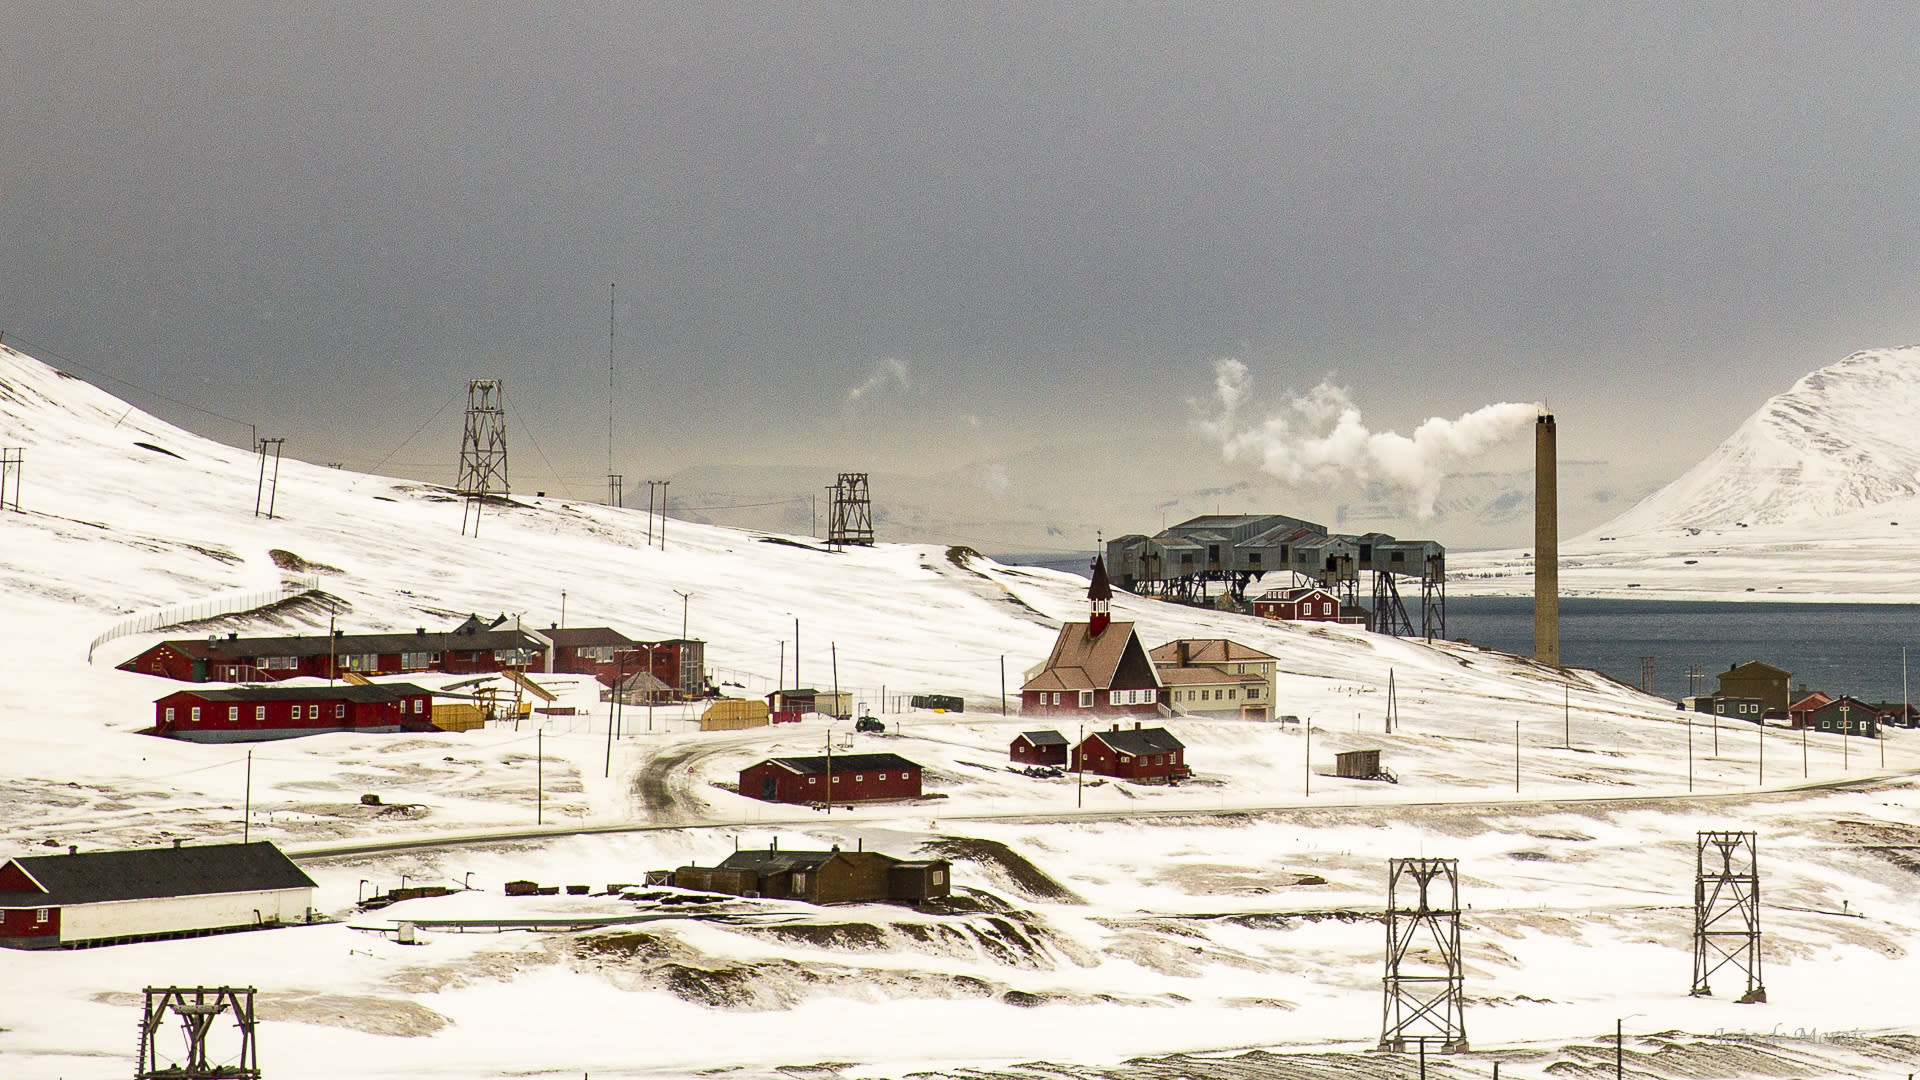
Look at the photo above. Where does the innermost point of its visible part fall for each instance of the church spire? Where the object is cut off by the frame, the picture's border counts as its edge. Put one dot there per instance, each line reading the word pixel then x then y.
pixel 1100 594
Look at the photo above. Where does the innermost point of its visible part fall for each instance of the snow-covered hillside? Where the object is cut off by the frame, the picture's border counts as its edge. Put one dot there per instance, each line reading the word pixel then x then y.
pixel 1815 497
pixel 1233 911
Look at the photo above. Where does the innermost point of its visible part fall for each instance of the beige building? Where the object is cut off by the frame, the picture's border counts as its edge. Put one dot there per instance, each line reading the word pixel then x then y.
pixel 1217 677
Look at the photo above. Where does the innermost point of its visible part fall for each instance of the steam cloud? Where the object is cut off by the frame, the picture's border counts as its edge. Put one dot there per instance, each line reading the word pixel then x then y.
pixel 887 370
pixel 1318 439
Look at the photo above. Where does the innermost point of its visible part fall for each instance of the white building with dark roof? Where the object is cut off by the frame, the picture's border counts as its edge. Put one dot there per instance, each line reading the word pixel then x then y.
pixel 106 897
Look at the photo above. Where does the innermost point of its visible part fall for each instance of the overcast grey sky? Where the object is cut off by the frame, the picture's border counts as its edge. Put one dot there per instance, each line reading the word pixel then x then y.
pixel 1022 232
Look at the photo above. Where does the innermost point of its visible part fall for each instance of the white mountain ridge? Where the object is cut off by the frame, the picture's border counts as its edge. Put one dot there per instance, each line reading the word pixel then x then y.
pixel 1815 497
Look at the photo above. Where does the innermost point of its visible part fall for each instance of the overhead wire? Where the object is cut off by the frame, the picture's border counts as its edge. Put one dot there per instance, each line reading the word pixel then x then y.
pixel 551 471
pixel 40 351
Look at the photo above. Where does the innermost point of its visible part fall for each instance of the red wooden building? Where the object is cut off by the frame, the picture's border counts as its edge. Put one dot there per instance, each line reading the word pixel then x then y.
pixel 1039 748
pixel 1133 754
pixel 1097 668
pixel 1303 604
pixel 260 713
pixel 271 659
pixel 854 778
pixel 590 650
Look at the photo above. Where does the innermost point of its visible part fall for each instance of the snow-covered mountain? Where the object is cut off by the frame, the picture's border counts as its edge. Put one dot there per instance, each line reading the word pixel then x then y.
pixel 1815 497
pixel 1842 439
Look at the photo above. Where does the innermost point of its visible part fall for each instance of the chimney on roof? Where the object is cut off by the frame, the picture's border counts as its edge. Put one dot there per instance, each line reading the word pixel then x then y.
pixel 860 844
pixel 73 849
pixel 1136 725
pixel 1116 726
pixel 836 849
pixel 420 630
pixel 233 635
pixel 1180 653
pixel 177 842
pixel 339 633
pixel 774 845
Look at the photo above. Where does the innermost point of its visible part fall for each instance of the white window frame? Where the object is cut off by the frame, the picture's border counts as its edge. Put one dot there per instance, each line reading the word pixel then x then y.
pixel 1086 699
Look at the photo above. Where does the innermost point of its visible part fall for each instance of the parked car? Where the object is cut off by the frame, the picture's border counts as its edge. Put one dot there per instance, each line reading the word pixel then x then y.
pixel 869 723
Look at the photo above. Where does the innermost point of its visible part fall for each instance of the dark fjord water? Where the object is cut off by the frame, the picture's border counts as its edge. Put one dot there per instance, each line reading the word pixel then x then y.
pixel 1839 648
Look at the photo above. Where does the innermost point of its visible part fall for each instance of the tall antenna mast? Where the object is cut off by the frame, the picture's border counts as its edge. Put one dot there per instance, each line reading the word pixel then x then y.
pixel 615 496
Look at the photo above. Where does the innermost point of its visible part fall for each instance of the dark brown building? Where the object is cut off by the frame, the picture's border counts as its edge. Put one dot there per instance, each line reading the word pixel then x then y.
pixel 1754 679
pixel 853 778
pixel 821 877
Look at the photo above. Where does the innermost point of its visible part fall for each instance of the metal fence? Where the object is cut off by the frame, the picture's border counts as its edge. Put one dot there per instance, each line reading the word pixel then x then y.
pixel 211 607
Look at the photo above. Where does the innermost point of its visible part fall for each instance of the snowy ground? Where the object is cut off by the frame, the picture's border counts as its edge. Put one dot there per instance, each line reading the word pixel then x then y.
pixel 1103 923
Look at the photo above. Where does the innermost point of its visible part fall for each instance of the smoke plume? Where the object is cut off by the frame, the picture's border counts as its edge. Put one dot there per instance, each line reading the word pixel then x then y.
pixel 1319 439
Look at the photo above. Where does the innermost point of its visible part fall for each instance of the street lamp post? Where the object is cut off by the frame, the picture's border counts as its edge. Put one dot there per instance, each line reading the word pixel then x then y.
pixel 684 597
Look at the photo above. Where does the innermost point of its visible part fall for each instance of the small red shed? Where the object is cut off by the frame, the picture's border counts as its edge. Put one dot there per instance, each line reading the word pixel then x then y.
pixel 853 778
pixel 1039 748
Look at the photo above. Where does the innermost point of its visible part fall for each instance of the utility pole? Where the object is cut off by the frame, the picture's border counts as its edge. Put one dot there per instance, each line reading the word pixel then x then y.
pixel 1080 769
pixel 10 466
pixel 267 491
pixel 833 652
pixel 684 597
pixel 246 819
pixel 1003 684
pixel 615 496
pixel 539 777
pixel 1516 757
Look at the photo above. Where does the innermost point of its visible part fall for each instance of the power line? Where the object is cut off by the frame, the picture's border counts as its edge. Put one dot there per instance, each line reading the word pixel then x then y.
pixel 41 351
pixel 451 398
pixel 555 473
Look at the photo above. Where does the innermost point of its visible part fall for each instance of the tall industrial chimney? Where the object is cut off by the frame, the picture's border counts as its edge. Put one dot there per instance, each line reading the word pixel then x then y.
pixel 1546 543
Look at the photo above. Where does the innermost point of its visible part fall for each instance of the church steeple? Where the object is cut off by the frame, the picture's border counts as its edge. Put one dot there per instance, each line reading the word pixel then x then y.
pixel 1100 594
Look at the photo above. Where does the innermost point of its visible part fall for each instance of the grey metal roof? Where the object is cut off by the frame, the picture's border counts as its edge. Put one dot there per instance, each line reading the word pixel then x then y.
pixel 372 693
pixel 1044 738
pixel 1155 740
pixel 151 873
pixel 773 861
pixel 586 637
pixel 252 648
pixel 844 762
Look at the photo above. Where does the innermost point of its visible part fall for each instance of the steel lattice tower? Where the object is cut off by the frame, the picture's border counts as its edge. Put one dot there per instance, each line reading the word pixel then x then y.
pixel 1726 911
pixel 850 517
pixel 197 1007
pixel 483 449
pixel 1424 999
